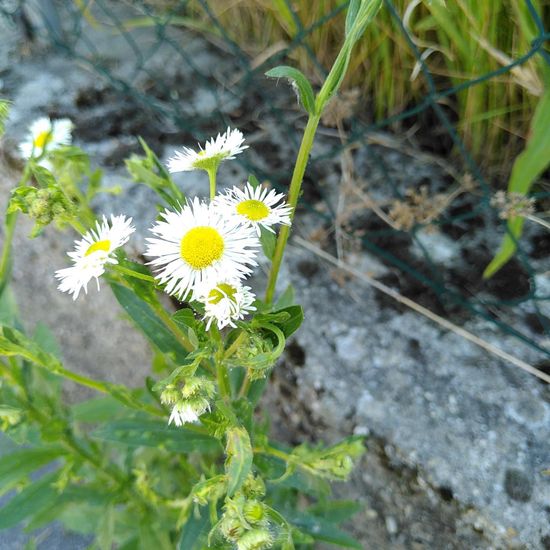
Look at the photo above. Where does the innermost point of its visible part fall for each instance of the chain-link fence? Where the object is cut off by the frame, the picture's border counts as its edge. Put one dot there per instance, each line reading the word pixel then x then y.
pixel 391 212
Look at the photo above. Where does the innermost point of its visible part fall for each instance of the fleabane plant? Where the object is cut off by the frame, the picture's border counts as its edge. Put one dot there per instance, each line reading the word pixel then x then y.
pixel 186 461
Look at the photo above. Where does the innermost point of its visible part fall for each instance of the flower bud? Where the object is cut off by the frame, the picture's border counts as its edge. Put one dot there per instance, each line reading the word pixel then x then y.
pixel 255 539
pixel 254 512
pixel 253 487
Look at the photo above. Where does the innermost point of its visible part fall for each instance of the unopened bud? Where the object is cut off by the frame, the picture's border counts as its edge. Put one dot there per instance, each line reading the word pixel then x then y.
pixel 255 539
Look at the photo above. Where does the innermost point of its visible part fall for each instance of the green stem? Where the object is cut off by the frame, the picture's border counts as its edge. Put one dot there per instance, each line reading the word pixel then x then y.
pixel 172 325
pixel 293 195
pixel 5 261
pixel 235 345
pixel 246 385
pixel 221 371
pixel 212 179
pixel 134 274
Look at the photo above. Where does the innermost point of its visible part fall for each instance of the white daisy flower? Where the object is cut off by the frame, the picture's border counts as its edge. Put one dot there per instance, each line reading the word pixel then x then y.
pixel 254 207
pixel 226 301
pixel 92 253
pixel 46 135
pixel 223 147
pixel 196 246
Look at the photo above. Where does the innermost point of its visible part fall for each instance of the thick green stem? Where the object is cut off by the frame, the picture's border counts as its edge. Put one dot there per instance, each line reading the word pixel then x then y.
pixel 293 195
pixel 212 179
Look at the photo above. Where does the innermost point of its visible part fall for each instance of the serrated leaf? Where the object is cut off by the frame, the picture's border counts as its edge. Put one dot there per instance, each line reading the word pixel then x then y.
pixel 32 499
pixel 305 91
pixel 239 458
pixel 137 432
pixel 528 166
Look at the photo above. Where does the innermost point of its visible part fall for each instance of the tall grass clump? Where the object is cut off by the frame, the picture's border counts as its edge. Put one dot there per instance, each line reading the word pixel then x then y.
pixel 458 41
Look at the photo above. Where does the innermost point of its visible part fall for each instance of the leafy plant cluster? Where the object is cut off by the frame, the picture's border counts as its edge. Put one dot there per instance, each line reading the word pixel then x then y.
pixel 112 466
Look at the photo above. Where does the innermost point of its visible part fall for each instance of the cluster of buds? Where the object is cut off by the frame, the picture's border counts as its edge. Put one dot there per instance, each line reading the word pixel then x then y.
pixel 190 401
pixel 43 205
pixel 510 205
pixel 334 463
pixel 245 520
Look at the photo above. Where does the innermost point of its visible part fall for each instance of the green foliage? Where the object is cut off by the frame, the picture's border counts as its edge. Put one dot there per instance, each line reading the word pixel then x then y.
pixel 528 166
pixel 239 458
pixel 299 82
pixel 181 462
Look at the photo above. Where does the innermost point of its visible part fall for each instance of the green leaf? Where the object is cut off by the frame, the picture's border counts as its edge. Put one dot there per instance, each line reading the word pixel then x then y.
pixel 138 432
pixel 528 166
pixel 43 176
pixel 146 319
pixel 97 409
pixel 15 467
pixel 351 15
pixel 292 323
pixel 305 91
pixel 323 530
pixel 286 299
pixel 195 531
pixel 336 511
pixel 268 240
pixel 31 500
pixel 8 308
pixel 239 458
pixel 253 180
pixel 44 337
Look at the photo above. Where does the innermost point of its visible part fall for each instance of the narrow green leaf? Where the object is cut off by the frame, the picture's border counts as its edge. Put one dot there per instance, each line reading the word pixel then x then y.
pixel 138 432
pixel 31 500
pixel 195 531
pixel 528 166
pixel 239 458
pixel 336 511
pixel 146 319
pixel 15 467
pixel 4 112
pixel 351 15
pixel 98 409
pixel 305 91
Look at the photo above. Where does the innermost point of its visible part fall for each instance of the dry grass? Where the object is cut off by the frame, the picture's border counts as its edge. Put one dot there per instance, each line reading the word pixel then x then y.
pixel 460 41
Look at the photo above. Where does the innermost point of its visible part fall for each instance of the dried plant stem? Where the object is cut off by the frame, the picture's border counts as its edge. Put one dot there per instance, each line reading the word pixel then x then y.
pixel 424 311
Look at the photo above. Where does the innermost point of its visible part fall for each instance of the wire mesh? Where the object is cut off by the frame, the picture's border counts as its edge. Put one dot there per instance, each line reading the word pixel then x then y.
pixel 457 295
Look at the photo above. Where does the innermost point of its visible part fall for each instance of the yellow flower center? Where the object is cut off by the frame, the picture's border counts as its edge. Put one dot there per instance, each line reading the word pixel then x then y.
pixel 201 246
pixel 223 290
pixel 104 246
pixel 253 210
pixel 42 139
